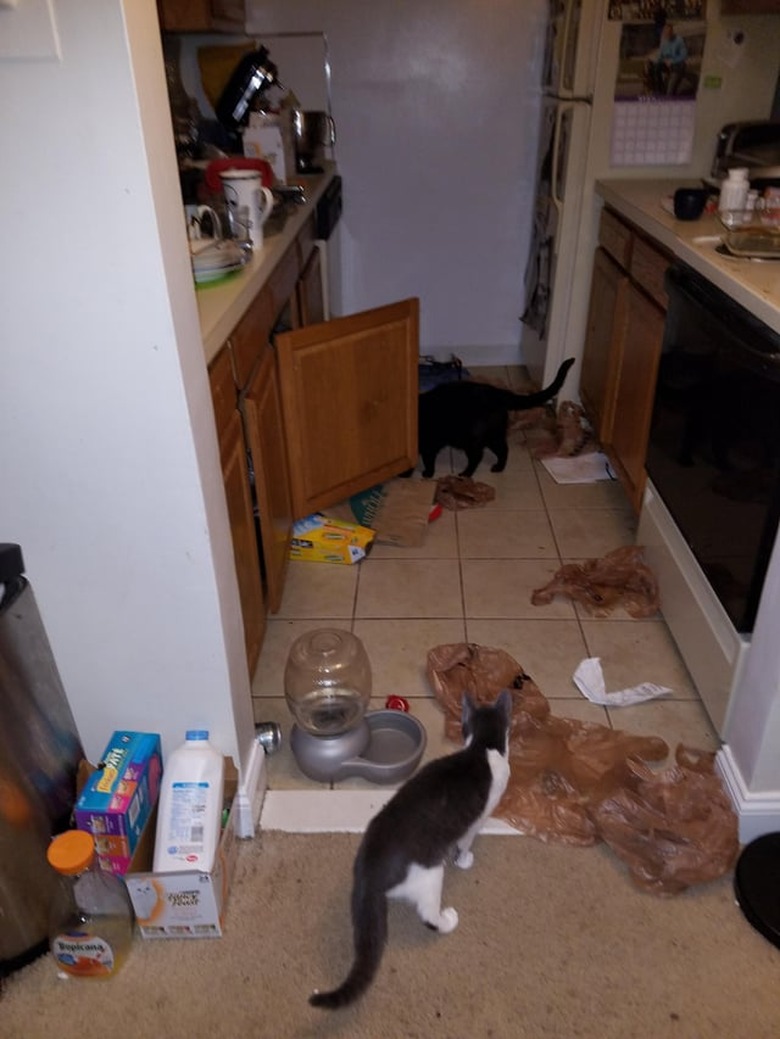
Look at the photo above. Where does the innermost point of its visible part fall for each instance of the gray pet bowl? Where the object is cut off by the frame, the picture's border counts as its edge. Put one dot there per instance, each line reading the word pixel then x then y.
pixel 385 748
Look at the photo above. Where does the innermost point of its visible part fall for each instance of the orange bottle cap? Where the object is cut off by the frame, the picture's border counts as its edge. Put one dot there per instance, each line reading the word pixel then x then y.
pixel 71 852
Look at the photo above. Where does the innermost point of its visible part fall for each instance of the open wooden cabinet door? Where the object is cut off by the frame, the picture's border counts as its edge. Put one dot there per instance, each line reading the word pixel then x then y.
pixel 349 398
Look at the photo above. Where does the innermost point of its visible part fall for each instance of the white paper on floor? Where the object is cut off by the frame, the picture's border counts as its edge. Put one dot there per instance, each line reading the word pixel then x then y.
pixel 589 679
pixel 587 468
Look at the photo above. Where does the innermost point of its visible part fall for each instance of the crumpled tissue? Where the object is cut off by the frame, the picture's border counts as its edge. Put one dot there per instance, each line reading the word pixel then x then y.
pixel 589 679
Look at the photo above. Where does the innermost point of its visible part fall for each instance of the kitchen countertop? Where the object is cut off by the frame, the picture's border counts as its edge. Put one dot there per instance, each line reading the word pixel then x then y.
pixel 755 284
pixel 221 306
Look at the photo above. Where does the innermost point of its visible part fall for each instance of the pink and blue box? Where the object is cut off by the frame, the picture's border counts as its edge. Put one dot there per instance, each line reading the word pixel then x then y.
pixel 120 795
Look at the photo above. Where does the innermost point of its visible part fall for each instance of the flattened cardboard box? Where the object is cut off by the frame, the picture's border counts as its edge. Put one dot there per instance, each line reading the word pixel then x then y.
pixel 188 903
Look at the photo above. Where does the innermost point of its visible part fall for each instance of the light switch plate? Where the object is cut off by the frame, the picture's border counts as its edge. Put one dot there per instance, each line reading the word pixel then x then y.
pixel 28 31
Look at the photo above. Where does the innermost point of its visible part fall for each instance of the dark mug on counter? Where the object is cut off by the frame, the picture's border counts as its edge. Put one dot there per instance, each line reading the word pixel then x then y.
pixel 689 203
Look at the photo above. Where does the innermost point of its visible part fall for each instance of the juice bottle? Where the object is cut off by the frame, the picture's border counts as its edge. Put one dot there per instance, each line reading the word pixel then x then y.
pixel 91 918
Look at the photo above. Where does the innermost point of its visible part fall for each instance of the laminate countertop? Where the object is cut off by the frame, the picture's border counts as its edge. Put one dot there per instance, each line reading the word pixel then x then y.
pixel 222 305
pixel 755 284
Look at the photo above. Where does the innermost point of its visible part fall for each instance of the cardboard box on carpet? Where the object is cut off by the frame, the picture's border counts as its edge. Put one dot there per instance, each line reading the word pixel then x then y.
pixel 185 903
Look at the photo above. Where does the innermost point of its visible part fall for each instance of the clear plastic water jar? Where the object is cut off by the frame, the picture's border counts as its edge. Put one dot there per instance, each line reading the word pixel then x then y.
pixel 327 681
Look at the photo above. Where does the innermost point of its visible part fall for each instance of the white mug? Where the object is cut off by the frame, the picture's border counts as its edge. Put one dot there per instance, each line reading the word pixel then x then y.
pixel 245 188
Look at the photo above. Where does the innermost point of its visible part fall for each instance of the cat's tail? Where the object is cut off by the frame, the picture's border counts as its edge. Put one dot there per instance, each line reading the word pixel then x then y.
pixel 369 922
pixel 524 401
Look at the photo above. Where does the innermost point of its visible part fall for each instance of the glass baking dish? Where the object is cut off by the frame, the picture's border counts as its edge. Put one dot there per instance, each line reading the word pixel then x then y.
pixel 753 233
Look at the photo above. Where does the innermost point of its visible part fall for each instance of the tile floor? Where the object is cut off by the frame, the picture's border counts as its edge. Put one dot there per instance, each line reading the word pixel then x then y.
pixel 472 580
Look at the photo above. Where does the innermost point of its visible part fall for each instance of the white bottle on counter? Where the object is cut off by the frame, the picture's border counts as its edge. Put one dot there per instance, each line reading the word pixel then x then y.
pixel 189 818
pixel 734 190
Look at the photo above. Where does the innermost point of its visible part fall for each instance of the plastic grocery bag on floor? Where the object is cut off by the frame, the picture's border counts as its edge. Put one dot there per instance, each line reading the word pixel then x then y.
pixel 465 667
pixel 579 783
pixel 674 828
pixel 461 492
pixel 559 766
pixel 620 578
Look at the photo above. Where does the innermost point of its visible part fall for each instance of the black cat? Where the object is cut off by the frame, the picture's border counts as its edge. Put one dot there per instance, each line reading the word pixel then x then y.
pixel 438 811
pixel 472 416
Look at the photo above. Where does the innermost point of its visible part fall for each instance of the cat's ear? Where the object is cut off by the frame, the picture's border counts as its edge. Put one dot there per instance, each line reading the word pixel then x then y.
pixel 504 704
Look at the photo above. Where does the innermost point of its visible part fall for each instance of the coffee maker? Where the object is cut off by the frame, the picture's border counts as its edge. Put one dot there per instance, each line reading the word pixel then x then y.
pixel 753 145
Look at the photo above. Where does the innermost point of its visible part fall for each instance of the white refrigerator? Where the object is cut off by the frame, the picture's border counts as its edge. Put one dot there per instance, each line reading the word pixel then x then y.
pixel 589 73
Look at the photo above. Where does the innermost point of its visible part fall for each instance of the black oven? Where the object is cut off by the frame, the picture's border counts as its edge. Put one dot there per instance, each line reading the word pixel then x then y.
pixel 714 450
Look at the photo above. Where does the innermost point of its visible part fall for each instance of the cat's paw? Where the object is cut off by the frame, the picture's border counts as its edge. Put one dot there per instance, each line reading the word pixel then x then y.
pixel 464 859
pixel 448 920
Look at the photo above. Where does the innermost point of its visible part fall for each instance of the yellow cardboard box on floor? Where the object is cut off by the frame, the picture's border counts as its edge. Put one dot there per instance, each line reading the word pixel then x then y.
pixel 320 539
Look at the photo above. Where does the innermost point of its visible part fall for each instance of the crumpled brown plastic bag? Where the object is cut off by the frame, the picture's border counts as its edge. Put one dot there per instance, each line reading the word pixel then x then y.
pixel 620 578
pixel 579 783
pixel 672 829
pixel 461 492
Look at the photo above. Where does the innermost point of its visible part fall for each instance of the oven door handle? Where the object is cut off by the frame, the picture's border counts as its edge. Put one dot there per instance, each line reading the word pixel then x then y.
pixel 742 328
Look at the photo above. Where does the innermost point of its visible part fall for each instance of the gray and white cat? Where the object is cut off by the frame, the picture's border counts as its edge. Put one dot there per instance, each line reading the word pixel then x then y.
pixel 436 813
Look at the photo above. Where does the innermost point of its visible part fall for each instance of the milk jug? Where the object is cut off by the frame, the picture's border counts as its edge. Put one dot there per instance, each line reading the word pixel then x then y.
pixel 190 809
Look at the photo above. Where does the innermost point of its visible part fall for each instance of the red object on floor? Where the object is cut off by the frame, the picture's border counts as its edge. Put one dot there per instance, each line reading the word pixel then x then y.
pixel 397 703
pixel 436 511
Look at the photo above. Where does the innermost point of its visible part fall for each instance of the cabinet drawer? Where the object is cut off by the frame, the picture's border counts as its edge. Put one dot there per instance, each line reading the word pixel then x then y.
pixel 616 237
pixel 648 267
pixel 250 336
pixel 223 389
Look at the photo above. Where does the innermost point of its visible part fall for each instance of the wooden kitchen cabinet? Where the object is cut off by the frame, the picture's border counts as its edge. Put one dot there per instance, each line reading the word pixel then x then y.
pixel 635 390
pixel 604 338
pixel 238 497
pixel 349 398
pixel 623 346
pixel 202 15
pixel 316 414
pixel 262 411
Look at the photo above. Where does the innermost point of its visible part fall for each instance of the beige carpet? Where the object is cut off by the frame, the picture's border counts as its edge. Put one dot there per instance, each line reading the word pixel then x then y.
pixel 552 942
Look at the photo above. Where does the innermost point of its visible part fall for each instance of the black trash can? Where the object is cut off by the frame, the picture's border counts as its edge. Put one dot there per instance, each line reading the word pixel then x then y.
pixel 40 752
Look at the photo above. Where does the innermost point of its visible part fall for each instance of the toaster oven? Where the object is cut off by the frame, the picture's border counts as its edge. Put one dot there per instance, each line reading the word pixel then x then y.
pixel 754 145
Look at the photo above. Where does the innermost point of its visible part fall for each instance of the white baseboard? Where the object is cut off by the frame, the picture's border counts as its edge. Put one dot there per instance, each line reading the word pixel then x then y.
pixel 758 813
pixel 251 793
pixel 335 811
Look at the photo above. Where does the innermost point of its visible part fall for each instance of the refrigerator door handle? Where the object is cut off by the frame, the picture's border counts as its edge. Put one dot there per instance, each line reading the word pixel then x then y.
pixel 564 73
pixel 560 111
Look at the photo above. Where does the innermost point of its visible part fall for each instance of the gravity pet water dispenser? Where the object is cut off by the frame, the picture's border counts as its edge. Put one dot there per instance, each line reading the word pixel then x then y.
pixel 327 685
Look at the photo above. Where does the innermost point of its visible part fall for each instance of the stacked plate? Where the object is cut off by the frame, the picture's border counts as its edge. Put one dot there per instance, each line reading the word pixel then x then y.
pixel 213 259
